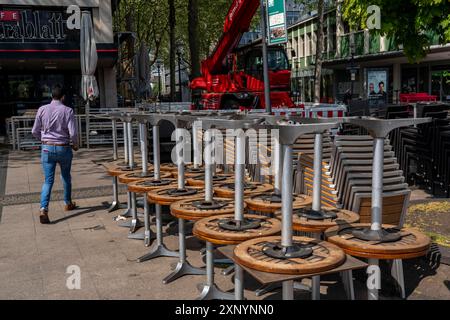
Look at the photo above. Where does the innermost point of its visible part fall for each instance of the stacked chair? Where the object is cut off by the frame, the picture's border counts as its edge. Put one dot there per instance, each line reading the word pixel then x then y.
pixel 423 151
pixel 397 111
pixel 304 146
pixel 347 179
pixel 303 183
pixel 347 184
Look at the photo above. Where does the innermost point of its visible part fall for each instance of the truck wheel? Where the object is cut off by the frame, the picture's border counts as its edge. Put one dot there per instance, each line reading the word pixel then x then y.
pixel 230 104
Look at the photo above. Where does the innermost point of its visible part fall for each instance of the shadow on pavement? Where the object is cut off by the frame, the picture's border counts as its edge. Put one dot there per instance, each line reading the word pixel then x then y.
pixel 80 213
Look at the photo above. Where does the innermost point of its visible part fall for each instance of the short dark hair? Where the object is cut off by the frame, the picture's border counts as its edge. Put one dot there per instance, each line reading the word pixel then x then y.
pixel 58 92
pixel 381 83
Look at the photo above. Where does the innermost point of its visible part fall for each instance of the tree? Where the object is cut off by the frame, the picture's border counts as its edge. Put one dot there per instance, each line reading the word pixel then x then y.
pixel 172 48
pixel 410 23
pixel 193 34
pixel 319 51
pixel 198 25
pixel 205 26
pixel 148 19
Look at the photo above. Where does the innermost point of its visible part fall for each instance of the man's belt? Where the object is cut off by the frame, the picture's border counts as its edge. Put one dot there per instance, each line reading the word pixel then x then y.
pixel 55 144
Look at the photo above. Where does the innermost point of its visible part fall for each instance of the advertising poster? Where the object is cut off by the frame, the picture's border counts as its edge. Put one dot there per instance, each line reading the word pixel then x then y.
pixel 276 12
pixel 377 84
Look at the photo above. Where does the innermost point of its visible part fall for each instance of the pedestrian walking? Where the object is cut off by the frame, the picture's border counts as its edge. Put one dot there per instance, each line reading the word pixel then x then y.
pixel 55 127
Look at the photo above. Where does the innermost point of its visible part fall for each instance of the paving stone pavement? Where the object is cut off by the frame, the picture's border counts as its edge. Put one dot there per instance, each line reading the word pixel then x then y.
pixel 34 258
pixel 4 155
pixel 24 174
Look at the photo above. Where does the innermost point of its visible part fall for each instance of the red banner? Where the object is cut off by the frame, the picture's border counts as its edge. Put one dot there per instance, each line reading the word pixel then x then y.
pixel 9 16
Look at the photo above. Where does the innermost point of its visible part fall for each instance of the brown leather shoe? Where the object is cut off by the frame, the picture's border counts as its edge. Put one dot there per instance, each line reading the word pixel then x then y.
pixel 43 216
pixel 70 207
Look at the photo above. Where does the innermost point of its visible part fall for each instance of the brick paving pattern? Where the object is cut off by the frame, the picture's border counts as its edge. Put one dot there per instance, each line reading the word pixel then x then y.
pixel 34 257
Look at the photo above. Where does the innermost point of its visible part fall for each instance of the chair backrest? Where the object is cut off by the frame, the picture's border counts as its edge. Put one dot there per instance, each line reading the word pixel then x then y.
pixel 436 115
pixel 422 109
pixel 359 108
pixel 397 115
pixel 395 206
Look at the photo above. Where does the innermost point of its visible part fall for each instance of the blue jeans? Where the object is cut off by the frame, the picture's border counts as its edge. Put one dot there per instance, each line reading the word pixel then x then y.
pixel 50 156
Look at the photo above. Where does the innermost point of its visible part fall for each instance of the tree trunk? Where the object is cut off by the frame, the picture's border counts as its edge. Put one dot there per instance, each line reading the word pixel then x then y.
pixel 172 24
pixel 129 65
pixel 319 50
pixel 194 38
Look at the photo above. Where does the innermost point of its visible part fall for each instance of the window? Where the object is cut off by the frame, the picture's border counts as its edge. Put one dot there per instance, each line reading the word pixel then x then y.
pixel 294 46
pixel 301 49
pixel 21 87
pixel 277 60
pixel 314 43
pixel 307 45
pixel 289 49
pixel 254 65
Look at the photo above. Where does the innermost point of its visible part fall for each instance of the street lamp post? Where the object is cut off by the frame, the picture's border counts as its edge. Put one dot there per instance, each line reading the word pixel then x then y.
pixel 264 23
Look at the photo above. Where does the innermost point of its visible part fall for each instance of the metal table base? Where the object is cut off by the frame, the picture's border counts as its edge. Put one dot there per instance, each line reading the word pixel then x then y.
pixel 159 249
pixel 115 204
pixel 183 267
pixel 209 290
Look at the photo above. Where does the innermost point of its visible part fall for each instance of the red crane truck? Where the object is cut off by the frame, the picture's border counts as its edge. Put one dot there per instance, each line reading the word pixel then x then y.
pixel 233 78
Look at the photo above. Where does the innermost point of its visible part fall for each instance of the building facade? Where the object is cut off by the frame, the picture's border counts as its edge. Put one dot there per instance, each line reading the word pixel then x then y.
pixel 375 59
pixel 37 51
pixel 301 48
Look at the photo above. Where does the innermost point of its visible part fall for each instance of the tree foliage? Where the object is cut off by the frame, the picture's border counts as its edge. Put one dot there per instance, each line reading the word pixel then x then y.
pixel 151 24
pixel 410 23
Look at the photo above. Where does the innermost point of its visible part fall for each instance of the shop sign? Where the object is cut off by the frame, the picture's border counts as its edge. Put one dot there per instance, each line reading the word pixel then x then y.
pixel 39 26
pixel 277 29
pixel 9 16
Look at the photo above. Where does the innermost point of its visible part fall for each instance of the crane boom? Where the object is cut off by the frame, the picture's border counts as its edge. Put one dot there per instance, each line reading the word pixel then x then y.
pixel 231 77
pixel 237 22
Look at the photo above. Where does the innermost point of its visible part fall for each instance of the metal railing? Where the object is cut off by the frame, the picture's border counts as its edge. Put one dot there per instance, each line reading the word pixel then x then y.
pixel 100 129
pixel 164 106
pixel 91 130
pixel 95 130
pixel 18 130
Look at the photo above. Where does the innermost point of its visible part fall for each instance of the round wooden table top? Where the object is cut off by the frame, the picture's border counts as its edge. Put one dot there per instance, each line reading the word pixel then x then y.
pixel 344 217
pixel 171 167
pixel 226 190
pixel 137 175
pixel 208 229
pixel 119 167
pixel 220 178
pixel 147 185
pixel 262 202
pixel 190 172
pixel 325 256
pixel 163 197
pixel 186 209
pixel 116 171
pixel 413 243
pixel 121 162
